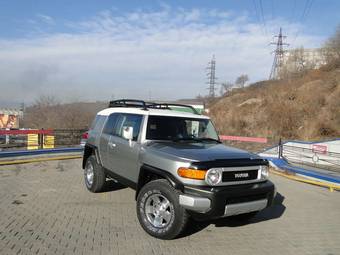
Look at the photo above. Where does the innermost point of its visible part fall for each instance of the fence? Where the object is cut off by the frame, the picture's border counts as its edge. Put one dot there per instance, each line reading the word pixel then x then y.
pixel 321 155
pixel 317 155
pixel 39 139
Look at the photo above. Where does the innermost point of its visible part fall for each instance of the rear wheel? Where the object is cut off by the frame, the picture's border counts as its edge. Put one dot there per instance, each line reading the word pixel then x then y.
pixel 94 175
pixel 158 210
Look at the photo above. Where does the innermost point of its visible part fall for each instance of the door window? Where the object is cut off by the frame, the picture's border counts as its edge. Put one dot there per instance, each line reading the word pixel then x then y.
pixel 128 120
pixel 110 124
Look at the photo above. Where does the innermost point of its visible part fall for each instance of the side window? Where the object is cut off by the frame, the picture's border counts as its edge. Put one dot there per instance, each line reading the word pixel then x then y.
pixel 97 123
pixel 128 120
pixel 93 124
pixel 110 124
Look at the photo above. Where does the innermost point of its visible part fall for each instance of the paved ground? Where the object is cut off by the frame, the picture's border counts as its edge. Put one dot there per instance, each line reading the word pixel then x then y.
pixel 45 209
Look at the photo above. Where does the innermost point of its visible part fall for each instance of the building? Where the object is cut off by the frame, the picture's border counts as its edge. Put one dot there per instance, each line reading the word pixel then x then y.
pixel 9 118
pixel 296 60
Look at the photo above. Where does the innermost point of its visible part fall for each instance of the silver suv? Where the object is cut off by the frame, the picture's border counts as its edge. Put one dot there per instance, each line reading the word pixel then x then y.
pixel 173 158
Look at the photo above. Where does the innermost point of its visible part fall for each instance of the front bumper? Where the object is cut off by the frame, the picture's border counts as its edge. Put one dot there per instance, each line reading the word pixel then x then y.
pixel 216 202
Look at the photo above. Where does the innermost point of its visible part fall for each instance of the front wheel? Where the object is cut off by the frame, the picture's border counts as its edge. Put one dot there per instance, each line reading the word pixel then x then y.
pixel 158 210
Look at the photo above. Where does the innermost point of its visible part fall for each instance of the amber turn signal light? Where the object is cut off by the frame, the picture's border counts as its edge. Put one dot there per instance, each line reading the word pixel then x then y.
pixel 191 173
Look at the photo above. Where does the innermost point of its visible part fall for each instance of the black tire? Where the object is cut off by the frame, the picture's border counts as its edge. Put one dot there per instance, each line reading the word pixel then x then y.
pixel 98 178
pixel 245 217
pixel 179 216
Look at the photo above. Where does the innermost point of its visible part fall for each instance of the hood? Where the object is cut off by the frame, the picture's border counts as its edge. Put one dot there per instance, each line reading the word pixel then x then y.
pixel 200 151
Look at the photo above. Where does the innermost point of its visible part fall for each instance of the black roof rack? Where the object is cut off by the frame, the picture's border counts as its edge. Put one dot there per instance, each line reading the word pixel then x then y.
pixel 145 105
pixel 168 106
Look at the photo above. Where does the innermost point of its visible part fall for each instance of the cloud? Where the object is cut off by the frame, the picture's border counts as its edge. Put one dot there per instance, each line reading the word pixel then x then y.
pixel 160 53
pixel 46 19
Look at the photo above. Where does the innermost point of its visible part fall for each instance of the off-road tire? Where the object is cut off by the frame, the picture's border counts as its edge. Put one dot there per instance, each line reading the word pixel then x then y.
pixel 179 216
pixel 99 177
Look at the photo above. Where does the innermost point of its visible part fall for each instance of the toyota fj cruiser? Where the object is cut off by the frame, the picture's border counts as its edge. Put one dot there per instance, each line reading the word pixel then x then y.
pixel 176 163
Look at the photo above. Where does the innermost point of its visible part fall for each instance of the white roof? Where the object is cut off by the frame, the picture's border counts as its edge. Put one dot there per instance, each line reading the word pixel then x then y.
pixel 150 111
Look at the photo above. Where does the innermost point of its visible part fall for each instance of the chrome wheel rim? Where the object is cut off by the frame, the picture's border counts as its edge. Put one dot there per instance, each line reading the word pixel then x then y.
pixel 89 173
pixel 159 211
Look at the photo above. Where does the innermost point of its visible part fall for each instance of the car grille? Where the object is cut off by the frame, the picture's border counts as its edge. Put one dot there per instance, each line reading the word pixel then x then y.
pixel 237 176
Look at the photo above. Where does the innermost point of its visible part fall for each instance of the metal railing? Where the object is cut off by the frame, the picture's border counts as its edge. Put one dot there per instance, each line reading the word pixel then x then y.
pixel 38 139
pixel 328 160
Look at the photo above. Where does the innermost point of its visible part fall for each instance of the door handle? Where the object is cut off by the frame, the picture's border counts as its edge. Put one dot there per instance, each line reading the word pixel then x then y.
pixel 112 145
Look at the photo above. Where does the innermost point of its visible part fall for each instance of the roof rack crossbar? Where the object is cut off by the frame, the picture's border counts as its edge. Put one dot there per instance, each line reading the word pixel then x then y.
pixel 145 105
pixel 128 103
pixel 168 106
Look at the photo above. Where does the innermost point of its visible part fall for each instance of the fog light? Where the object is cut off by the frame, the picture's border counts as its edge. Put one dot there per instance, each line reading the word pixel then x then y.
pixel 213 177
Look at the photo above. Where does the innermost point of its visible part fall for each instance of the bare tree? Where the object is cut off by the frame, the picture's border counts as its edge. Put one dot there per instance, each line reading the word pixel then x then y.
pixel 241 80
pixel 46 100
pixel 225 88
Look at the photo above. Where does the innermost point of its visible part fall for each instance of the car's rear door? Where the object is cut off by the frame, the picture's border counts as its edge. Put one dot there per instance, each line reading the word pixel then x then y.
pixel 104 141
pixel 123 156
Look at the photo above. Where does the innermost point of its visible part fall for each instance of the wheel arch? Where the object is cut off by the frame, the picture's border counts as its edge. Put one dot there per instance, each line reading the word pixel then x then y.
pixel 148 173
pixel 88 151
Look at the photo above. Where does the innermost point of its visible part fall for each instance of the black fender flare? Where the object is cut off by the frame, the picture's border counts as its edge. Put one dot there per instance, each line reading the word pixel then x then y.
pixel 89 150
pixel 146 170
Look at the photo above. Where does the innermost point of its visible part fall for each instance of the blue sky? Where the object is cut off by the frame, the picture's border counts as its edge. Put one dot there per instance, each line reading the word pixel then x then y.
pixel 95 50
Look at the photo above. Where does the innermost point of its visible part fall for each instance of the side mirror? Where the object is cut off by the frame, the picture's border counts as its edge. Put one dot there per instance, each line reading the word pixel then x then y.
pixel 128 133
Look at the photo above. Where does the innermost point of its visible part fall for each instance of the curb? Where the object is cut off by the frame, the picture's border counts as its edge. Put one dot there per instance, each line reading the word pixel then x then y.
pixel 331 187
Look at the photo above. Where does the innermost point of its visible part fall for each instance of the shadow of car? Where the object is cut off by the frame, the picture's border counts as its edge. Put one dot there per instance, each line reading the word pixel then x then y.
pixel 273 212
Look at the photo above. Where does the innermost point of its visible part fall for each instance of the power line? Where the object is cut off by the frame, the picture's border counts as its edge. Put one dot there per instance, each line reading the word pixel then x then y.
pixel 263 20
pixel 308 8
pixel 305 9
pixel 305 12
pixel 293 12
pixel 257 14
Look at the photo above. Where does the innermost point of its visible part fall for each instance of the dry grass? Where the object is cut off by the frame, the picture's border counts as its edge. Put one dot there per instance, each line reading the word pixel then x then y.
pixel 61 116
pixel 305 108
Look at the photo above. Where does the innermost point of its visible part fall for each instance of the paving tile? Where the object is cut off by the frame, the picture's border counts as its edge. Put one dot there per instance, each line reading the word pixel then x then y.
pixel 47 211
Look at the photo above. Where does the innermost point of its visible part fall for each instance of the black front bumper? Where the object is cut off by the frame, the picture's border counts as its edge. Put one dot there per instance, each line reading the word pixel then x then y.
pixel 222 196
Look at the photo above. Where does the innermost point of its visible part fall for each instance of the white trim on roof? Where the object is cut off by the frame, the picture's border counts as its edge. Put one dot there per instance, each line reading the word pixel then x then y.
pixel 149 111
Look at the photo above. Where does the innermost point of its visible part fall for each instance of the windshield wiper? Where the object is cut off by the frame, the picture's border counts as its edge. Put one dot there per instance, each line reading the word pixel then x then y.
pixel 209 139
pixel 196 139
pixel 177 139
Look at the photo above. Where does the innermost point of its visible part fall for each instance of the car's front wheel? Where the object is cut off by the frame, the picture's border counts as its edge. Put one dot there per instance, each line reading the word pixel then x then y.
pixel 159 211
pixel 94 175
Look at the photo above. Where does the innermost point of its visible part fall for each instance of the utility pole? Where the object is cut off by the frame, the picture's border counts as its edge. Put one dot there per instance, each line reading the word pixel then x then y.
pixel 212 77
pixel 276 70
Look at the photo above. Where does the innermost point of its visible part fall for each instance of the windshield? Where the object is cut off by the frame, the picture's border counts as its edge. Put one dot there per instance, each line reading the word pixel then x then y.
pixel 178 128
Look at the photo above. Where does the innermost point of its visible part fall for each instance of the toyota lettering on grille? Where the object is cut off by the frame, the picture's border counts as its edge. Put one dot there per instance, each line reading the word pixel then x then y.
pixel 241 175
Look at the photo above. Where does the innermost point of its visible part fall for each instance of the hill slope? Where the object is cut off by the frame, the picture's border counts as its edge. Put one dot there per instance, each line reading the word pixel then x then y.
pixel 305 108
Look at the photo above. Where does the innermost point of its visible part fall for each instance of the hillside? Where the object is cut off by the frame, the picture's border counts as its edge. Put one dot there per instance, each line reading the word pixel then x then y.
pixel 77 115
pixel 305 108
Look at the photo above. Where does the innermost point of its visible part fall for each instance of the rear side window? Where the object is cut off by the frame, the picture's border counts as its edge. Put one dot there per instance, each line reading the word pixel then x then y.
pixel 110 124
pixel 128 120
pixel 97 123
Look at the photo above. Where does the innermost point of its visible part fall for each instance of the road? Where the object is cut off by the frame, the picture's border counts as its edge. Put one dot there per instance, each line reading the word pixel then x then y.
pixel 46 209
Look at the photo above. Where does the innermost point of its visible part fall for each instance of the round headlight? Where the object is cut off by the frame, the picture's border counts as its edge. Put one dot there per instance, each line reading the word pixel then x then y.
pixel 213 177
pixel 264 172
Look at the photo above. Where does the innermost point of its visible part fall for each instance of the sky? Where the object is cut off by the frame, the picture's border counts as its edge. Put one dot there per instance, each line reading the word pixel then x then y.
pixel 84 50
